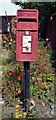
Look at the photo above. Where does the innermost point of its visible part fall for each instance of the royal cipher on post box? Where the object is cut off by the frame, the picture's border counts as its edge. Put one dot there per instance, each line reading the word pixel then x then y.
pixel 27 35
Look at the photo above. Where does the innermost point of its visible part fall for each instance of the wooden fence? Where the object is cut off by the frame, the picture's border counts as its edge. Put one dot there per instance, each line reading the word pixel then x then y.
pixel 48 30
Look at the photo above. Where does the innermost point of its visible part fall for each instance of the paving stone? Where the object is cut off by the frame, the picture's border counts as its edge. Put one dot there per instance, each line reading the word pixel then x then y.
pixel 30 108
pixel 37 110
pixel 52 106
pixel 52 111
pixel 47 113
pixel 32 102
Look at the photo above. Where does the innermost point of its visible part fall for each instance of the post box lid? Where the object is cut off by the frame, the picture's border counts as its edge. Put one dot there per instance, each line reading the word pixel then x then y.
pixel 25 18
pixel 27 13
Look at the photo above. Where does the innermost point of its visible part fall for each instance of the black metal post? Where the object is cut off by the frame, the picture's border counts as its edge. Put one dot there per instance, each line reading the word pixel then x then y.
pixel 26 85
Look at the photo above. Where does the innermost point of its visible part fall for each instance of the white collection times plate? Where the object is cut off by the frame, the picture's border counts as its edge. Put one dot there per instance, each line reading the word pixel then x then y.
pixel 26 45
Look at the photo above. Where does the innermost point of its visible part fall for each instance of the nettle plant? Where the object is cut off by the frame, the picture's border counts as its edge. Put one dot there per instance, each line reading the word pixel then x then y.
pixel 42 73
pixel 12 76
pixel 12 81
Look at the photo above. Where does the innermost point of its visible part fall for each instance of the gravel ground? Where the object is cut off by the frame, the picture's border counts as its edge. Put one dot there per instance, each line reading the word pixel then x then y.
pixel 42 109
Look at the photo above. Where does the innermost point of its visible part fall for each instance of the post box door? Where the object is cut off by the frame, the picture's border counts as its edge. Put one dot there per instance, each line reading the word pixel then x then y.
pixel 27 35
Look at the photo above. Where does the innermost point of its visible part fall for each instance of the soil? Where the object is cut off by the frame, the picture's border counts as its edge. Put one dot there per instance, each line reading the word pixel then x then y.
pixel 5 53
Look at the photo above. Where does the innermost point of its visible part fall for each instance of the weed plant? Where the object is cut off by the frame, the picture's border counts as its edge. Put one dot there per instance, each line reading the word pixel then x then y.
pixel 41 74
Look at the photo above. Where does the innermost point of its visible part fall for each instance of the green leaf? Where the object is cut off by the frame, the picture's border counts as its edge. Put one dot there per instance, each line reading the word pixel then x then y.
pixel 47 87
pixel 52 85
pixel 46 95
pixel 41 95
pixel 49 78
pixel 43 92
pixel 30 117
pixel 2 87
pixel 34 73
pixel 3 92
pixel 35 88
pixel 52 99
pixel 21 103
pixel 35 94
pixel 30 114
pixel 31 88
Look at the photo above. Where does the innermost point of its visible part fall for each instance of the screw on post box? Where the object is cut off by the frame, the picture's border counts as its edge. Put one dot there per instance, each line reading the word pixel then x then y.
pixel 26 44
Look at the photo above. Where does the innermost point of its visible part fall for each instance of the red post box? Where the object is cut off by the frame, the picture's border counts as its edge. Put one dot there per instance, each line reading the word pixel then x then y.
pixel 27 35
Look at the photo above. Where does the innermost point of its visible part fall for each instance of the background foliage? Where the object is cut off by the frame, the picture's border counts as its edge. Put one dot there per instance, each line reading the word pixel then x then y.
pixel 41 72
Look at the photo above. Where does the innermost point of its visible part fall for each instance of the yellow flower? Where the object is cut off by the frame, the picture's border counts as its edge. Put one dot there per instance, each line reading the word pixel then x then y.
pixel 2 64
pixel 20 115
pixel 43 103
pixel 17 116
pixel 16 63
pixel 15 51
pixel 15 29
pixel 33 78
pixel 7 63
pixel 24 113
pixel 46 39
pixel 46 46
pixel 9 43
pixel 16 110
pixel 23 67
pixel 11 40
pixel 15 20
pixel 17 106
pixel 14 41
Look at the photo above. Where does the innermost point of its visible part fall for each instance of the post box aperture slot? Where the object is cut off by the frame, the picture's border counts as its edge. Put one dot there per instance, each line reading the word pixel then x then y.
pixel 26 44
pixel 29 24
pixel 27 20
